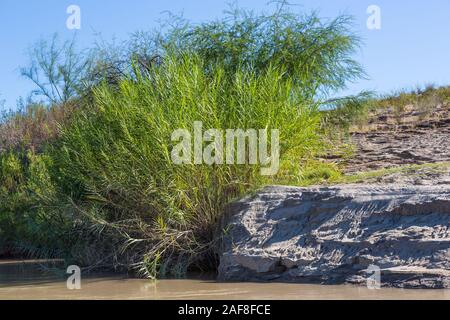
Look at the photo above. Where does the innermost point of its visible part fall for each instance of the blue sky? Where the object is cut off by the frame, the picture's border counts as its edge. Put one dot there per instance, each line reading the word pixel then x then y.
pixel 412 48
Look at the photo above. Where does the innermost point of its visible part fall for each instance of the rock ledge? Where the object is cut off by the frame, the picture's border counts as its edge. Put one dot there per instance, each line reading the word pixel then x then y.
pixel 332 235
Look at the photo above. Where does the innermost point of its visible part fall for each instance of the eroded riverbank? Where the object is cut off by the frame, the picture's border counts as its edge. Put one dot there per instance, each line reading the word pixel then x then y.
pixel 341 234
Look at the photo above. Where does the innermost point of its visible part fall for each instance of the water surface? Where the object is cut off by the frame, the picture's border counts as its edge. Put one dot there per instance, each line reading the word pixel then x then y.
pixel 25 280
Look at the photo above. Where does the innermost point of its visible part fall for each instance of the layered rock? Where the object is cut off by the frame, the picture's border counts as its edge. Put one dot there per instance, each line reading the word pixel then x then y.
pixel 332 235
pixel 390 140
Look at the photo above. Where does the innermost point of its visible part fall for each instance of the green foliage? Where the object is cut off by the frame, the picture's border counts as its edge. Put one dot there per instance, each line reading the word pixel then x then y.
pixel 315 172
pixel 120 155
pixel 103 190
pixel 28 224
pixel 315 54
pixel 342 113
pixel 415 170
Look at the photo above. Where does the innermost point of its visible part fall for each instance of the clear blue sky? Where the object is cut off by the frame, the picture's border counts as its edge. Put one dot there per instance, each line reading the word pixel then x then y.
pixel 412 48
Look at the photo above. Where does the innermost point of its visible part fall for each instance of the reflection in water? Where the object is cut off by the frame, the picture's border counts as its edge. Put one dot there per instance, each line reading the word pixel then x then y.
pixel 19 280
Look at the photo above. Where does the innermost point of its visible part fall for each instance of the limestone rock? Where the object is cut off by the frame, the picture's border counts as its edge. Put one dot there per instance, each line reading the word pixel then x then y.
pixel 332 235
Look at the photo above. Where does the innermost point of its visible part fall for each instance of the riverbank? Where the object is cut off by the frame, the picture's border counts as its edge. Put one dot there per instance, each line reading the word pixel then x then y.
pixel 96 178
pixel 340 234
pixel 389 211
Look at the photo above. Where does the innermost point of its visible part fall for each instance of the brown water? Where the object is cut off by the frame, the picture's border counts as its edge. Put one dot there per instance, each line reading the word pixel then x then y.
pixel 20 280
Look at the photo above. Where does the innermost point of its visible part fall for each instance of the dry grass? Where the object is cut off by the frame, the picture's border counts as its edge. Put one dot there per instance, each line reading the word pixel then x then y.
pixel 31 128
pixel 424 100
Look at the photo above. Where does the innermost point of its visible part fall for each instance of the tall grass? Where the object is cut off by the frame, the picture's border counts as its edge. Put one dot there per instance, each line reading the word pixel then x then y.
pixel 167 214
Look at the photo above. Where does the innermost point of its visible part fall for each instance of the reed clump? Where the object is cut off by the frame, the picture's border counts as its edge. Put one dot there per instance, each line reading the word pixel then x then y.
pixel 102 190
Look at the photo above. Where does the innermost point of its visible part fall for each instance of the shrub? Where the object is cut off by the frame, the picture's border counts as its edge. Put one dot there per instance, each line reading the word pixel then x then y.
pixel 33 127
pixel 29 224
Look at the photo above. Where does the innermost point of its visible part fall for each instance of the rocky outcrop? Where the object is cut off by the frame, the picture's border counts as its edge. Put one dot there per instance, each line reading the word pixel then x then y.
pixel 332 235
pixel 390 140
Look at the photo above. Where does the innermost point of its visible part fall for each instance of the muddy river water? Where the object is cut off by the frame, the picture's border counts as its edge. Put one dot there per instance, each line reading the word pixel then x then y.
pixel 28 280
